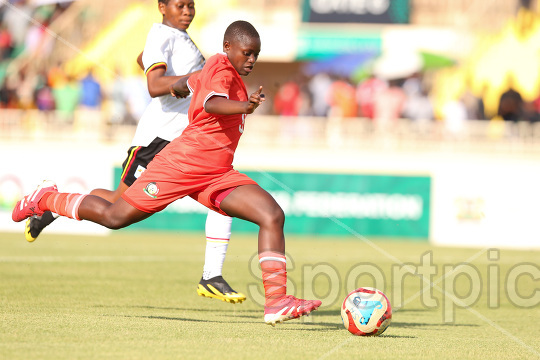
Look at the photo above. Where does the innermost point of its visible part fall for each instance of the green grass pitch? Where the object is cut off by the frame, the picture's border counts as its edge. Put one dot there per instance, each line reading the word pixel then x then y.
pixel 131 295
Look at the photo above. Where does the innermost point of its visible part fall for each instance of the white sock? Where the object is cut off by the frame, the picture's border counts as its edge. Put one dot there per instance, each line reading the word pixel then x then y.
pixel 218 233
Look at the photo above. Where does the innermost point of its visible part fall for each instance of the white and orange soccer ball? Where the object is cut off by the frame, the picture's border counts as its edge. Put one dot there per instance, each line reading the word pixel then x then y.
pixel 366 312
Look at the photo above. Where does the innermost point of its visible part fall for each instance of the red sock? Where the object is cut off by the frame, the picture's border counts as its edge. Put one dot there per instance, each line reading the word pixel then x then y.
pixel 65 204
pixel 274 272
pixel 42 204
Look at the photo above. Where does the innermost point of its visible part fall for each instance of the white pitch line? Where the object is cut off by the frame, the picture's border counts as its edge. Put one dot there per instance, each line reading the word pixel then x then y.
pixel 87 259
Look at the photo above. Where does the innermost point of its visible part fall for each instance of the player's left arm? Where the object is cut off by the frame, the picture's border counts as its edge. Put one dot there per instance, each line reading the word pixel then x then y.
pixel 223 106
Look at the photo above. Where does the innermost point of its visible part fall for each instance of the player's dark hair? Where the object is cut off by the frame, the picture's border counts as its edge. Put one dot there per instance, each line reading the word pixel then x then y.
pixel 239 29
pixel 163 1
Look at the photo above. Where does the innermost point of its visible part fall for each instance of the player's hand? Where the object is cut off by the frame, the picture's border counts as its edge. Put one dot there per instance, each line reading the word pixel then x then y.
pixel 180 89
pixel 179 94
pixel 255 99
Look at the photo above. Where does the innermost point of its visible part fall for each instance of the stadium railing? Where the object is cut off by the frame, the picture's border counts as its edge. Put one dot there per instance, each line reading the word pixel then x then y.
pixel 295 132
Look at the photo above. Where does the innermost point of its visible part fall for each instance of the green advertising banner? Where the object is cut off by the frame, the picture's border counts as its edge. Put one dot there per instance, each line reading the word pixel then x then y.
pixel 315 44
pixel 358 12
pixel 325 204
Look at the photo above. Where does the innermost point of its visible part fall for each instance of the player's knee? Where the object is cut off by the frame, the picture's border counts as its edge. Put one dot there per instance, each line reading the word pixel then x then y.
pixel 115 225
pixel 275 217
pixel 112 224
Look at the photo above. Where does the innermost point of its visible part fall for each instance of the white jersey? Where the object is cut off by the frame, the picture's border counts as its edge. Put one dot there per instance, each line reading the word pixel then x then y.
pixel 166 116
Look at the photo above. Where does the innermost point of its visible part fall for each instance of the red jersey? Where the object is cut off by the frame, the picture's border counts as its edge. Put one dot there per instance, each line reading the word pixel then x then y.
pixel 198 163
pixel 208 143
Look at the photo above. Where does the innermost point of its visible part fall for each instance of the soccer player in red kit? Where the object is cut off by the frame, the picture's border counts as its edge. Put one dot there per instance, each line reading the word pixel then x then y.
pixel 169 53
pixel 199 164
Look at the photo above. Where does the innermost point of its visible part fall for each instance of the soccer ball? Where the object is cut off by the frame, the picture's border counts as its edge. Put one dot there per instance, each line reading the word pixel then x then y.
pixel 366 312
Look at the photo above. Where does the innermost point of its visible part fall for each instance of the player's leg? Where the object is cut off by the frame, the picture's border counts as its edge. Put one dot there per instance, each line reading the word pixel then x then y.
pixel 115 215
pixel 77 206
pixel 136 161
pixel 252 203
pixel 35 224
pixel 212 284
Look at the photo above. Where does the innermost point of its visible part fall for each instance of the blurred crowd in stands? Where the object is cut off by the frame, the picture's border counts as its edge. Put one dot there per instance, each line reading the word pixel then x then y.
pixel 123 100
pixel 385 101
pixel 23 32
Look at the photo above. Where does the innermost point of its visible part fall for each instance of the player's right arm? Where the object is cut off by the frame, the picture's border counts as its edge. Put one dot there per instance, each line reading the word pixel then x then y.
pixel 139 61
pixel 223 106
pixel 158 83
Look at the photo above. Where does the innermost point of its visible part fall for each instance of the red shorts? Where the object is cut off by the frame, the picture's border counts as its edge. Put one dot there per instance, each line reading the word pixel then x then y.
pixel 159 186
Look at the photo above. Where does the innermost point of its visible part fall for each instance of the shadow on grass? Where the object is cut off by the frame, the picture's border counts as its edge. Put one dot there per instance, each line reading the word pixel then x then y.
pixel 325 327
pixel 256 315
pixel 243 318
pixel 315 326
pixel 171 318
pixel 339 326
pixel 292 325
pixel 179 308
pixel 228 313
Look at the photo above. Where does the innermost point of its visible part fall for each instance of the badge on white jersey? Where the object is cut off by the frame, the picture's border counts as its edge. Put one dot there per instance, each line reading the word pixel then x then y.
pixel 139 171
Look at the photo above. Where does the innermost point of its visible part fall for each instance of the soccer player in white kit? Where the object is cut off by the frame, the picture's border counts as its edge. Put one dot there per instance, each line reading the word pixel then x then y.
pixel 169 54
